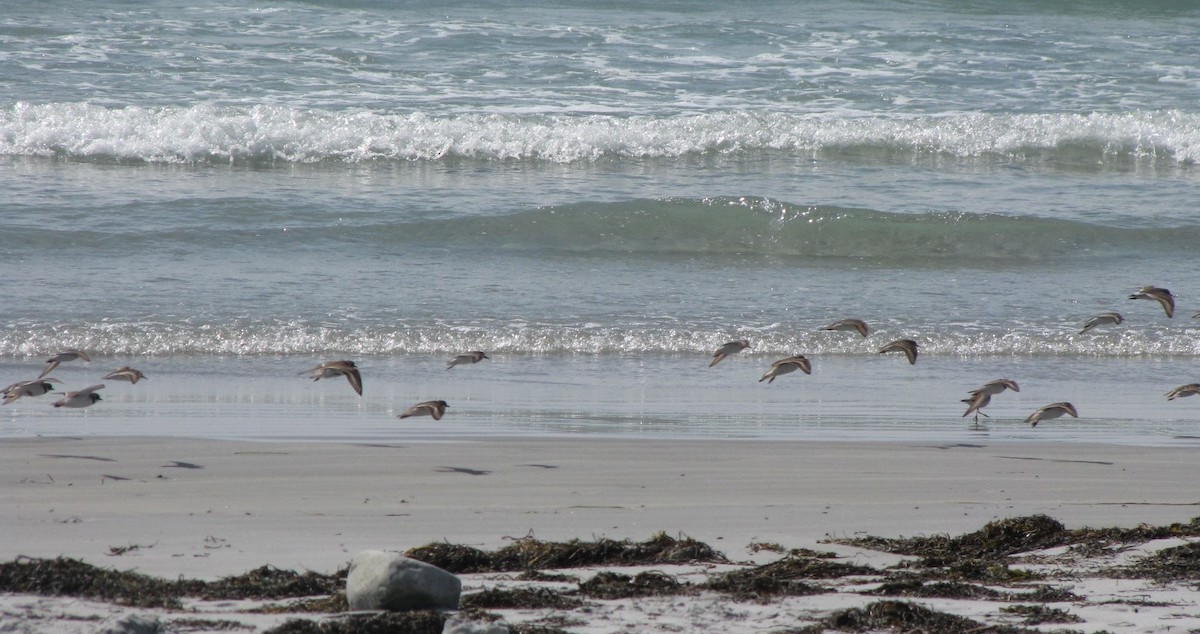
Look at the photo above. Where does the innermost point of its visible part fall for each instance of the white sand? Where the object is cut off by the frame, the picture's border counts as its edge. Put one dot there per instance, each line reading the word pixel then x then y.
pixel 206 509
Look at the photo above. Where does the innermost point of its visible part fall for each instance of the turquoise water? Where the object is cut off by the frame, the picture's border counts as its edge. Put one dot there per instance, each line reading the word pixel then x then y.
pixel 600 195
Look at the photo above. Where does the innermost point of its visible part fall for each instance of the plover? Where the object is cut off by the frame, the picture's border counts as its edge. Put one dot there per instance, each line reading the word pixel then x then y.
pixel 907 346
pixel 856 325
pixel 36 387
pixel 63 356
pixel 338 368
pixel 733 347
pixel 1053 410
pixel 1103 319
pixel 467 358
pixel 1183 390
pixel 1160 295
pixel 786 365
pixel 125 373
pixel 426 408
pixel 80 398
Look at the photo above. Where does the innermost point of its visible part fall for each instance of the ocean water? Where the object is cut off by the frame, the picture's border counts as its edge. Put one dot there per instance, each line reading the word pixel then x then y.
pixel 600 194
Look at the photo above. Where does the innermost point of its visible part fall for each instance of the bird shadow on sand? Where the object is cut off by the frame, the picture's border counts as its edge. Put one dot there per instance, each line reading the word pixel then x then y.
pixel 74 457
pixel 474 472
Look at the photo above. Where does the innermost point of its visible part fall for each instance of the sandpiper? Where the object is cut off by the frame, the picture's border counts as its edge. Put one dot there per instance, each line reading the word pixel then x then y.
pixel 786 365
pixel 63 356
pixel 733 347
pixel 907 346
pixel 36 387
pixel 338 368
pixel 976 402
pixel 1183 390
pixel 80 398
pixel 1160 295
pixel 1103 319
pixel 856 325
pixel 992 388
pixel 426 408
pixel 1053 410
pixel 125 373
pixel 467 358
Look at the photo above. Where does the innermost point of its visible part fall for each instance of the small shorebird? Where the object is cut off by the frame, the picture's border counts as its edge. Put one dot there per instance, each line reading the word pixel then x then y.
pixel 733 347
pixel 1160 295
pixel 907 346
pixel 62 357
pixel 125 373
pixel 856 325
pixel 426 408
pixel 1183 390
pixel 467 358
pixel 36 387
pixel 1053 410
pixel 992 388
pixel 1103 319
pixel 80 398
pixel 786 365
pixel 975 403
pixel 338 368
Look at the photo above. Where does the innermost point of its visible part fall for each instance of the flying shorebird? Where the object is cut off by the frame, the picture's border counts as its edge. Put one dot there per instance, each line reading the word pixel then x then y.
pixel 992 388
pixel 733 347
pixel 125 373
pixel 1103 319
pixel 907 346
pixel 338 368
pixel 80 398
pixel 1183 390
pixel 1053 410
pixel 36 387
pixel 856 325
pixel 786 365
pixel 63 356
pixel 475 356
pixel 1160 295
pixel 426 408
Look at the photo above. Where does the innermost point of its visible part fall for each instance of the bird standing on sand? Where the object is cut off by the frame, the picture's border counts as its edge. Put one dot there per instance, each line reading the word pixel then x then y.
pixel 907 346
pixel 1160 295
pixel 786 365
pixel 980 397
pixel 1183 390
pixel 63 356
pixel 125 373
pixel 1053 410
pixel 36 387
pixel 855 325
pixel 1103 319
pixel 338 368
pixel 467 358
pixel 80 398
pixel 733 347
pixel 426 408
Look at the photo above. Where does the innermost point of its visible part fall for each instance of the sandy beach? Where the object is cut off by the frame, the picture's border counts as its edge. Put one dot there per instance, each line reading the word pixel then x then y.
pixel 206 509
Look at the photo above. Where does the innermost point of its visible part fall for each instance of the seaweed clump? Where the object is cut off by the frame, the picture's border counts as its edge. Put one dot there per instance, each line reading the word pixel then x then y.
pixel 267 582
pixel 1038 614
pixel 784 577
pixel 424 622
pixel 905 617
pixel 996 540
pixel 71 577
pixel 529 553
pixel 1169 564
pixel 915 587
pixel 519 598
pixel 614 585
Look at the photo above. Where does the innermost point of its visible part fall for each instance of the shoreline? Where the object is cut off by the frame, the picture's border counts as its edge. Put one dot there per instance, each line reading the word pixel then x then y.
pixel 208 508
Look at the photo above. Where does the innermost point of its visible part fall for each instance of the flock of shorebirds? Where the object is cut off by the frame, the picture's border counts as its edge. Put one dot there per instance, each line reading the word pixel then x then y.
pixel 976 400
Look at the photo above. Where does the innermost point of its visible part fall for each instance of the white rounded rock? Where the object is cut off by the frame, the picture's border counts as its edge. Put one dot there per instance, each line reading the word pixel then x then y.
pixel 382 580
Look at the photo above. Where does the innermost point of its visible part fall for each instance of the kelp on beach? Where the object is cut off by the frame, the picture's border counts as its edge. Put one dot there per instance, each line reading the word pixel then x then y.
pixel 560 579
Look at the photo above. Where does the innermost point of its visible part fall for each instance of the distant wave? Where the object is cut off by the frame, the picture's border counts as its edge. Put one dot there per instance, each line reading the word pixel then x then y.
pixel 280 337
pixel 264 133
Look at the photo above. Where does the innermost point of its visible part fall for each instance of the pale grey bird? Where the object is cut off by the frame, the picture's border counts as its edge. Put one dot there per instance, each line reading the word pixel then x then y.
pixel 36 387
pixel 786 365
pixel 80 398
pixel 855 325
pixel 426 408
pixel 338 368
pixel 63 356
pixel 993 388
pixel 125 373
pixel 1053 410
pixel 467 358
pixel 907 346
pixel 1183 390
pixel 1103 319
pixel 733 347
pixel 1160 295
